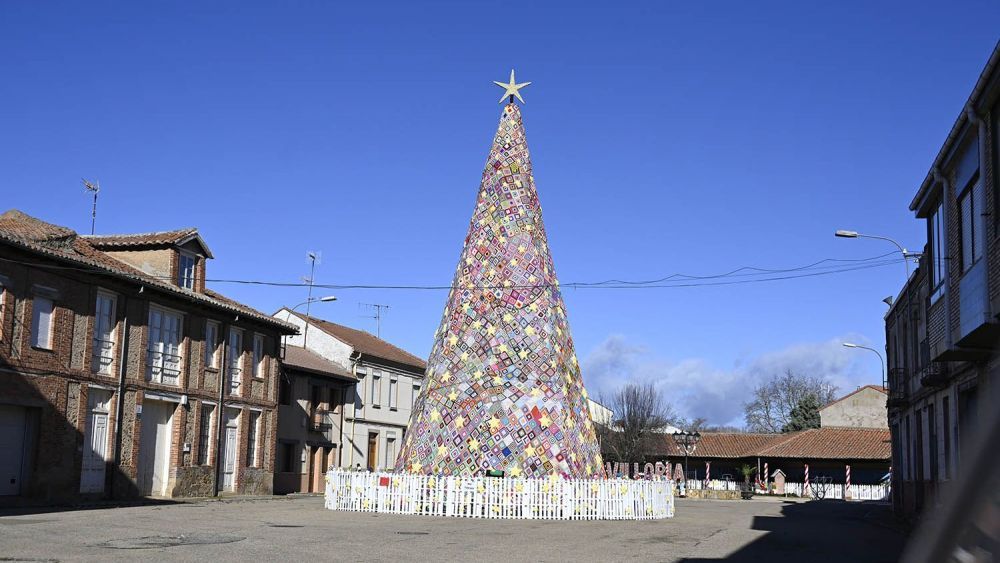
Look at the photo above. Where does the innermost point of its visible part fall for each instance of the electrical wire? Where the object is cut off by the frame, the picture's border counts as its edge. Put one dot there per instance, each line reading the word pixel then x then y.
pixel 748 274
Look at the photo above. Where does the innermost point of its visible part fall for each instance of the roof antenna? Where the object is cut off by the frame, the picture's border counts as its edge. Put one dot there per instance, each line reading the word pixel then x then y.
pixel 313 258
pixel 94 187
pixel 377 316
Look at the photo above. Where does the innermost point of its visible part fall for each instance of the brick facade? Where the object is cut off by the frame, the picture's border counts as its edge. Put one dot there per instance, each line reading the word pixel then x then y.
pixel 49 389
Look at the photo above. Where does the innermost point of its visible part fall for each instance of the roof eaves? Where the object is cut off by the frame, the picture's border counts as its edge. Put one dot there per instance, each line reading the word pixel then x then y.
pixel 981 83
pixel 287 328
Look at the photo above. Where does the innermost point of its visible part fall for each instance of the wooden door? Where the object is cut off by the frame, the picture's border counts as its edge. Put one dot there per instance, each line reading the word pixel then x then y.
pixel 154 447
pixel 372 451
pixel 12 437
pixel 95 442
pixel 229 452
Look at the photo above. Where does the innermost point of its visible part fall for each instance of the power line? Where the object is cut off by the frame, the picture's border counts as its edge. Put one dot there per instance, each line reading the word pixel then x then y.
pixel 826 266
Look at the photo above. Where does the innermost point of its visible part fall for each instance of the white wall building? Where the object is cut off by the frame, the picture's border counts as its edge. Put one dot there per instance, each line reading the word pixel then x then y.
pixel 389 380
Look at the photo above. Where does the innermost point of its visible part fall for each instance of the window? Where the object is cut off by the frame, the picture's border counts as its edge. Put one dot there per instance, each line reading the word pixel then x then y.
pixel 211 344
pixel 393 391
pixel 937 249
pixel 416 393
pixel 258 356
pixel 234 355
pixel 41 322
pixel 970 211
pixel 104 333
pixel 164 347
pixel 390 451
pixel 205 433
pixel 252 431
pixel 376 388
pixel 185 270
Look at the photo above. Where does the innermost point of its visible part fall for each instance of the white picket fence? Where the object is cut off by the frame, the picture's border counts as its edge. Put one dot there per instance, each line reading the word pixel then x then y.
pixel 833 490
pixel 485 497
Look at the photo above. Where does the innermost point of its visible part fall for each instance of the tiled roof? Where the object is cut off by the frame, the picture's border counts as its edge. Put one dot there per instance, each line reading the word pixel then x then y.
pixel 815 443
pixel 878 388
pixel 300 358
pixel 832 443
pixel 366 343
pixel 27 232
pixel 140 240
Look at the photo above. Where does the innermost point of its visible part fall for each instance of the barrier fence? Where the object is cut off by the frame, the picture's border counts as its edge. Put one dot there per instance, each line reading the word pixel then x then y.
pixel 830 490
pixel 485 497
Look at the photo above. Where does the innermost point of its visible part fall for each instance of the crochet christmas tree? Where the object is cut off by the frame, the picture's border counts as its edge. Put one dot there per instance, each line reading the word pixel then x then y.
pixel 504 390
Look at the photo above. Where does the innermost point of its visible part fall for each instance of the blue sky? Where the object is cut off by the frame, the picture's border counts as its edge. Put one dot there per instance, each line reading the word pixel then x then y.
pixel 665 136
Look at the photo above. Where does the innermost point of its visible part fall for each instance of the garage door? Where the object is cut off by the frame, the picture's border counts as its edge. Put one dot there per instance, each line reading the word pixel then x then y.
pixel 12 436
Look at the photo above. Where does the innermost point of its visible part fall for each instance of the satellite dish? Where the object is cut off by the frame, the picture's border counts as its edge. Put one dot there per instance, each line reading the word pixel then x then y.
pixel 888 301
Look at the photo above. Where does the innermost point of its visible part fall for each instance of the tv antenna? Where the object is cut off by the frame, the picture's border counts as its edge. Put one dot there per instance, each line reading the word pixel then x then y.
pixel 312 257
pixel 377 307
pixel 93 187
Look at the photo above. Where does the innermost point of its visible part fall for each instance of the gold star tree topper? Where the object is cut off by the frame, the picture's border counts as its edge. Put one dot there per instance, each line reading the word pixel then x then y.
pixel 511 88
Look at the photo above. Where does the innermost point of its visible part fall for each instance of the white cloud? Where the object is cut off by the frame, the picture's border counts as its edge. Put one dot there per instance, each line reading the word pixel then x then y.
pixel 696 388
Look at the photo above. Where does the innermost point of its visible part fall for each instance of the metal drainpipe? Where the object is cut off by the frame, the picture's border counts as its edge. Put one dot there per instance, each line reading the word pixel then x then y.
pixel 220 415
pixel 343 407
pixel 120 399
pixel 354 407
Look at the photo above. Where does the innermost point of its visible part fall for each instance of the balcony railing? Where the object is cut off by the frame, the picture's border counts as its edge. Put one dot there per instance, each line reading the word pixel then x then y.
pixel 103 355
pixel 163 367
pixel 320 420
pixel 898 395
pixel 935 374
pixel 235 377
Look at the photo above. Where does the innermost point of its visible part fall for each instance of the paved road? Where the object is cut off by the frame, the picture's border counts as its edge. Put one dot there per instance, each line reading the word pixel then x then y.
pixel 279 529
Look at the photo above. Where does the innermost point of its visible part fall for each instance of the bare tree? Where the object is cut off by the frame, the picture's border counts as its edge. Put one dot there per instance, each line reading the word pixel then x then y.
pixel 772 403
pixel 639 411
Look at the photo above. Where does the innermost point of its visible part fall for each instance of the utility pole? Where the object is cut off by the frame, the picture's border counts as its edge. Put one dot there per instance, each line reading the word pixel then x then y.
pixel 377 316
pixel 93 187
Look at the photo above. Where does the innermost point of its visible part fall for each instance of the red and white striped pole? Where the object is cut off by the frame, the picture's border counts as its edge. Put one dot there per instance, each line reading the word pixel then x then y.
pixel 847 487
pixel 708 472
pixel 806 485
pixel 767 475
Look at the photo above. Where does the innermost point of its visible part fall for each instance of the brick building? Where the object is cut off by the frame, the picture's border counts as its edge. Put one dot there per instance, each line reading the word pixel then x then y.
pixel 122 375
pixel 942 331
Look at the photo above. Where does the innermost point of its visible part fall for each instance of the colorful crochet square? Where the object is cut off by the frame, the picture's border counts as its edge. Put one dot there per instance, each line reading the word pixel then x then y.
pixel 503 388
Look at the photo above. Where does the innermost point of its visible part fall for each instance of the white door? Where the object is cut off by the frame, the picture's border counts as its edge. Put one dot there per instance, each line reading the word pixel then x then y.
pixel 12 433
pixel 95 442
pixel 229 454
pixel 154 447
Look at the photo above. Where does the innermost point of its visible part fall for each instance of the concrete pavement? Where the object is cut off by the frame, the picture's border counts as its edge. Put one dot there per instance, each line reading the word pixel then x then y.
pixel 299 528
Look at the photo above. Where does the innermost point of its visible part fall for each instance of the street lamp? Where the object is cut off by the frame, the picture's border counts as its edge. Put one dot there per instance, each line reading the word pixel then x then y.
pixel 906 255
pixel 686 441
pixel 324 299
pixel 877 353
